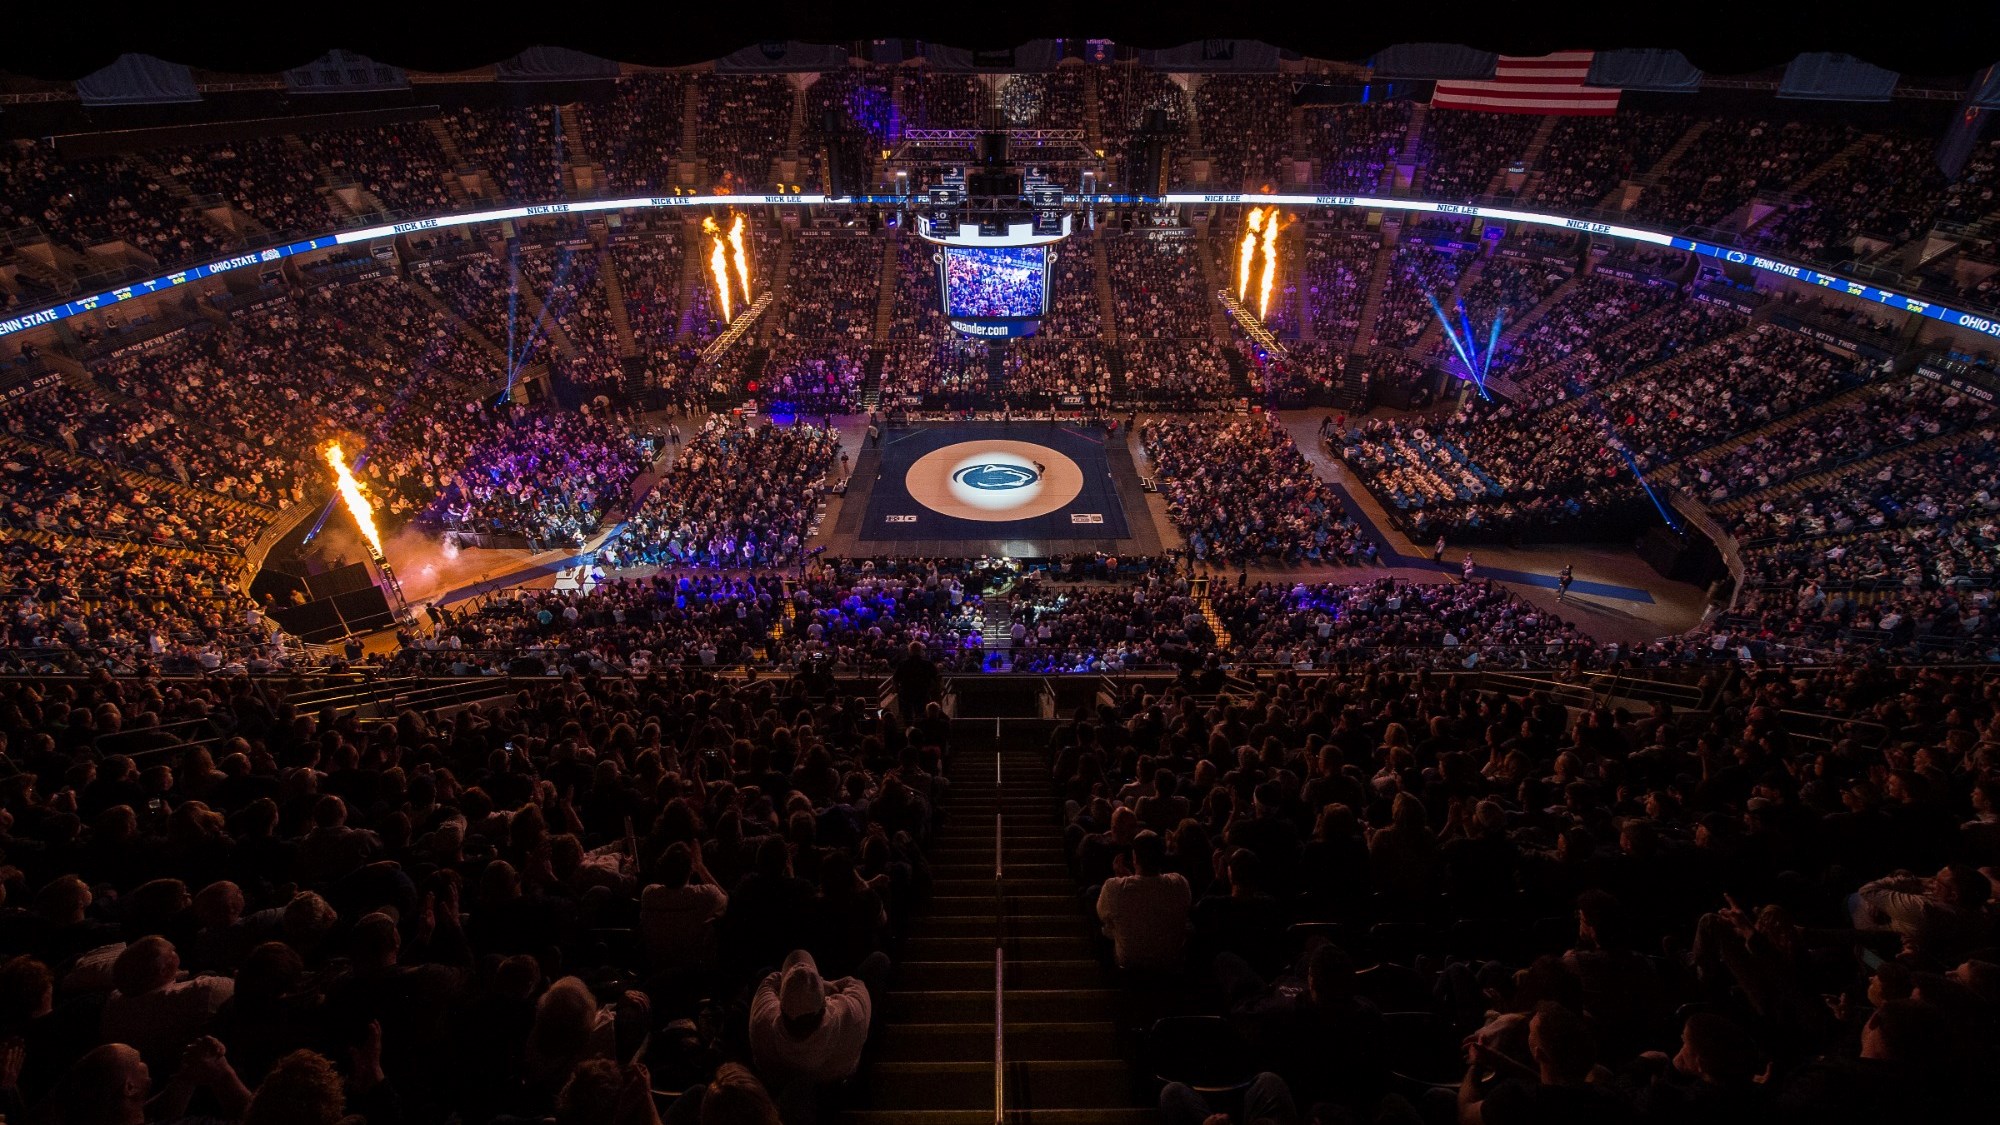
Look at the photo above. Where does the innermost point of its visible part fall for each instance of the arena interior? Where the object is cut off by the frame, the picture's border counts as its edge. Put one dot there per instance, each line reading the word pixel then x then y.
pixel 889 583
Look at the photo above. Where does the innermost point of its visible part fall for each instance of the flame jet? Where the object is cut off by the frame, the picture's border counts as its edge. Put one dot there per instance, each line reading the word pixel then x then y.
pixel 357 501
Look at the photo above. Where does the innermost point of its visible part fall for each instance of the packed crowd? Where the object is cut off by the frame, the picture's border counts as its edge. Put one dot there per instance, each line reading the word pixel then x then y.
pixel 1246 128
pixel 744 118
pixel 1058 371
pixel 1177 374
pixel 523 147
pixel 1357 145
pixel 1156 286
pixel 1306 626
pixel 73 605
pixel 550 476
pixel 1587 158
pixel 1578 320
pixel 1417 272
pixel 1894 552
pixel 935 371
pixel 259 177
pixel 1736 159
pixel 1891 196
pixel 834 287
pixel 509 913
pixel 636 135
pixel 1240 491
pixel 814 376
pixel 1884 417
pixel 1465 151
pixel 563 279
pixel 1507 910
pixel 737 495
pixel 1337 270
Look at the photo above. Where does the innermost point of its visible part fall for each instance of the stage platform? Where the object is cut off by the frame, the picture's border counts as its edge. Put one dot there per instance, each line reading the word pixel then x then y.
pixel 1019 489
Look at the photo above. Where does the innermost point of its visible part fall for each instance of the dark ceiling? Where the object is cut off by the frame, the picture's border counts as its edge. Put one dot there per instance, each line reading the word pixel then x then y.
pixel 57 41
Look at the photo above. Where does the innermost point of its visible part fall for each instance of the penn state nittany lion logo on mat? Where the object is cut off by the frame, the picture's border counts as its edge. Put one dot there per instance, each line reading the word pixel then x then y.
pixel 994 480
pixel 996 477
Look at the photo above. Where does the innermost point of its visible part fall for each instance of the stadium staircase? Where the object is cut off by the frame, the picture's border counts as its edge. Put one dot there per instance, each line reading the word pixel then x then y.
pixel 1219 329
pixel 1295 272
pixel 1114 360
pixel 242 226
pixel 1413 137
pixel 584 173
pixel 1301 148
pixel 423 293
pixel 1834 163
pixel 1208 614
pixel 996 371
pixel 781 276
pixel 1353 392
pixel 996 631
pixel 1001 1014
pixel 694 272
pixel 1243 379
pixel 1378 281
pixel 538 319
pixel 1508 332
pixel 1093 111
pixel 58 455
pixel 691 103
pixel 1537 145
pixel 1651 177
pixel 1107 303
pixel 454 183
pixel 885 296
pixel 1745 501
pixel 898 119
pixel 871 380
pixel 795 130
pixel 614 303
pixel 1433 331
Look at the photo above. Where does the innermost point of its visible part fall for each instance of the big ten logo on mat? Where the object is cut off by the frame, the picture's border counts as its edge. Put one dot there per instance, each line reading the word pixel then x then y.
pixel 901 519
pixel 1086 517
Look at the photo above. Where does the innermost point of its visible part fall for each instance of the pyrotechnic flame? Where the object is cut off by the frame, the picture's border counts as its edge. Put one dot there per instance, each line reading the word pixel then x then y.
pixel 718 264
pixel 1270 263
pixel 357 501
pixel 742 259
pixel 1247 251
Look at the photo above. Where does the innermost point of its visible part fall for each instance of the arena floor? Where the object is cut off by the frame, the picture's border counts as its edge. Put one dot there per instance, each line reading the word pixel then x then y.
pixel 1615 597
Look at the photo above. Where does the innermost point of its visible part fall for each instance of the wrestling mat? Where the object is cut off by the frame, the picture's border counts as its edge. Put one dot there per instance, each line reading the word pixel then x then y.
pixel 993 480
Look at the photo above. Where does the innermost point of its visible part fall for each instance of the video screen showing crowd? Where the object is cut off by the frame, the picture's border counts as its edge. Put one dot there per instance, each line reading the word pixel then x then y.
pixel 995 283
pixel 676 800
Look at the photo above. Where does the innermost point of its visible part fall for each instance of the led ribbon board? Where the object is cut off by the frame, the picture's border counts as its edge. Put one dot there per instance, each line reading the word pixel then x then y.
pixel 1984 324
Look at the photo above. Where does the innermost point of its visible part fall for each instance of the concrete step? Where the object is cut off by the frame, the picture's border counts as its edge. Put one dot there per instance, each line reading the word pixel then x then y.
pixel 1068 924
pixel 984 906
pixel 1126 1116
pixel 960 975
pixel 1070 1083
pixel 1017 884
pixel 1026 946
pixel 972 1042
pixel 968 1005
pixel 945 872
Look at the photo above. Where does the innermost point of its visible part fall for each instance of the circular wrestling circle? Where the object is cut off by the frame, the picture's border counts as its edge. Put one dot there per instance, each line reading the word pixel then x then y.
pixel 994 481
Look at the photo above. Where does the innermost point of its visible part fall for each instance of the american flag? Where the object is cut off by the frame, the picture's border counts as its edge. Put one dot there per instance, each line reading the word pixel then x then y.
pixel 1547 84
